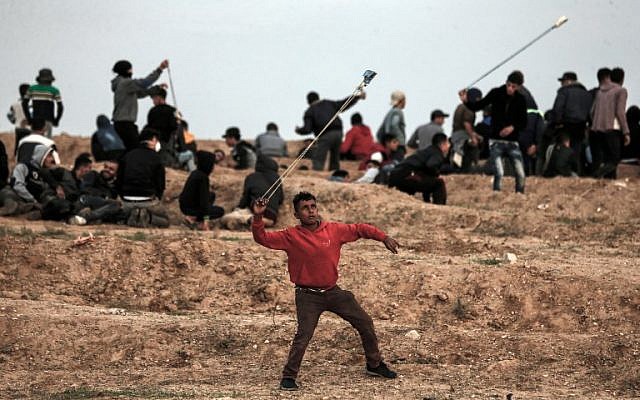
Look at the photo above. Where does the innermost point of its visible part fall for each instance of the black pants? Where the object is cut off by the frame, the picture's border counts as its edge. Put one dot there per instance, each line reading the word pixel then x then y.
pixel 128 132
pixel 606 151
pixel 329 142
pixel 432 188
pixel 213 212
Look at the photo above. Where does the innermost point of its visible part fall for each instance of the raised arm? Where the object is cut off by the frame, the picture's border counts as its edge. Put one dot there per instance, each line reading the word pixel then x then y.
pixel 273 240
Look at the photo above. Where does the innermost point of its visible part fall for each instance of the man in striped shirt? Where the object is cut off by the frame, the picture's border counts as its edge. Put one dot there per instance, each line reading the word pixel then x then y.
pixel 43 99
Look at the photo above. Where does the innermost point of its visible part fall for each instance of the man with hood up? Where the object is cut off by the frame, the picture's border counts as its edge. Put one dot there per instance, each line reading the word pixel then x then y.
pixel 35 185
pixel 197 200
pixel 126 92
pixel 255 186
pixel 106 145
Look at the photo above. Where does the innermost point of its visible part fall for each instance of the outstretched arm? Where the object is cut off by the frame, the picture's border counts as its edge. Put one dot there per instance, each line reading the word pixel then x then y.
pixel 353 232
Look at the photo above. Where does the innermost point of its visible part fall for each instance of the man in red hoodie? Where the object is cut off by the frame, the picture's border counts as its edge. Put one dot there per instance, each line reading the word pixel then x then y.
pixel 358 143
pixel 313 250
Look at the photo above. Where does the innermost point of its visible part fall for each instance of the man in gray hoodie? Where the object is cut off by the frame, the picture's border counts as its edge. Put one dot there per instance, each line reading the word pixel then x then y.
pixel 608 122
pixel 126 92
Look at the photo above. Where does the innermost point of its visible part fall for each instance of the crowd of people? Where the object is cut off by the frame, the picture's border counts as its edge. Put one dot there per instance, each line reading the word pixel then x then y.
pixel 586 133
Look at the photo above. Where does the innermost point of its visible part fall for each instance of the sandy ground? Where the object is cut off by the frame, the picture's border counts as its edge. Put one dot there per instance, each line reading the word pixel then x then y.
pixel 180 314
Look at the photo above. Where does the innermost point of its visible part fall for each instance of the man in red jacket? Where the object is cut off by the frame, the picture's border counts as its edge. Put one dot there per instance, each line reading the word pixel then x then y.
pixel 313 250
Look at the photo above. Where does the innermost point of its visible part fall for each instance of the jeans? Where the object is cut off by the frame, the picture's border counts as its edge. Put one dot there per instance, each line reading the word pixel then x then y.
pixel 511 150
pixel 309 307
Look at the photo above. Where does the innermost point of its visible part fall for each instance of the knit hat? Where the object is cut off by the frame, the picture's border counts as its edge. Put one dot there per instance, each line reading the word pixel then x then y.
pixel 122 68
pixel 396 97
pixel 45 76
pixel 474 94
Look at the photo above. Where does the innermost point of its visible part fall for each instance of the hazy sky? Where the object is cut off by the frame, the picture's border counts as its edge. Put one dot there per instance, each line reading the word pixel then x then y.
pixel 246 63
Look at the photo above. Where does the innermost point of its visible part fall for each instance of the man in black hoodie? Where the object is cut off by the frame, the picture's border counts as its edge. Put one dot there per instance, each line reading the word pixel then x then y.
pixel 196 199
pixel 508 118
pixel 256 184
pixel 420 171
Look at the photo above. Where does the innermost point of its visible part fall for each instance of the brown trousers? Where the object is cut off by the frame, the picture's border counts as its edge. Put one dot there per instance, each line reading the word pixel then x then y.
pixel 310 305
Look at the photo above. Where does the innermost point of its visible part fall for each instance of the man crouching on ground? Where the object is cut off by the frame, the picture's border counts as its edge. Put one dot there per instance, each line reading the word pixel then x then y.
pixel 313 250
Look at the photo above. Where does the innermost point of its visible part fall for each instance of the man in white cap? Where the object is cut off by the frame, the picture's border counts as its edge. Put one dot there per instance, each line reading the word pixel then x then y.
pixel 393 123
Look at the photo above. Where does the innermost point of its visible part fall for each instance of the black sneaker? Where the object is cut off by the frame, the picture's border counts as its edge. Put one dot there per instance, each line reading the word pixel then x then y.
pixel 381 370
pixel 288 384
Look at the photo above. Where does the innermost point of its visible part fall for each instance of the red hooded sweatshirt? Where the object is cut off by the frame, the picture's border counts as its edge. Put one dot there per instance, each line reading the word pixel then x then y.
pixel 314 255
pixel 358 141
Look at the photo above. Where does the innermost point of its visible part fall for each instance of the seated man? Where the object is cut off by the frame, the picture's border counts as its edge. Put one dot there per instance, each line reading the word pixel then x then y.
pixel 373 169
pixel 358 142
pixel 141 183
pixel 243 153
pixel 105 142
pixel 420 171
pixel 95 198
pixel 255 186
pixel 270 143
pixel 196 199
pixel 562 160
pixel 35 185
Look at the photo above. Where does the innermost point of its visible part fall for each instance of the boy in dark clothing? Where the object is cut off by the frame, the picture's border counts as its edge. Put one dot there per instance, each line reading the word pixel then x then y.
pixel 313 251
pixel 256 184
pixel 126 92
pixel 563 161
pixel 315 118
pixel 105 142
pixel 420 171
pixel 103 183
pixel 508 119
pixel 196 199
pixel 243 153
pixel 41 99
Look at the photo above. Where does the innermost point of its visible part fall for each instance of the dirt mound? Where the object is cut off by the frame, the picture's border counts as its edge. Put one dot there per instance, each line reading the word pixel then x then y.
pixel 180 314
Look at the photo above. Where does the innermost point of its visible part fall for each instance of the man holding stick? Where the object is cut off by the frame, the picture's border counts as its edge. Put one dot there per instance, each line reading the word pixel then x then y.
pixel 313 250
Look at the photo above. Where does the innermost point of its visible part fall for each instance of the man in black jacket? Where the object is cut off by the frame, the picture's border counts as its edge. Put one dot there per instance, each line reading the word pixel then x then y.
pixel 508 118
pixel 196 199
pixel 141 182
pixel 570 113
pixel 420 172
pixel 315 118
pixel 562 159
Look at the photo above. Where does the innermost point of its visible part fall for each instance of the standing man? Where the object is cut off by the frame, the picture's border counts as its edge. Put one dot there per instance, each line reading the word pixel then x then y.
pixel 509 117
pixel 313 250
pixel 315 118
pixel 464 139
pixel 609 123
pixel 571 111
pixel 126 92
pixel 393 124
pixel 42 99
pixel 423 135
